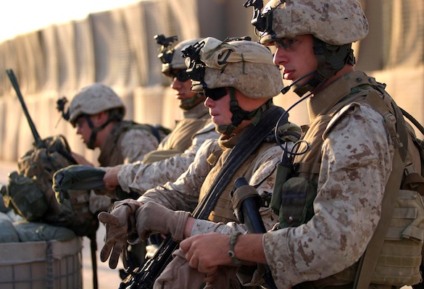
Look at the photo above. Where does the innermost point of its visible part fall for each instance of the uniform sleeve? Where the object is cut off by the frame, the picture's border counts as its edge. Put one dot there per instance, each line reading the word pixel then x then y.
pixel 263 178
pixel 356 163
pixel 141 177
pixel 183 193
pixel 136 143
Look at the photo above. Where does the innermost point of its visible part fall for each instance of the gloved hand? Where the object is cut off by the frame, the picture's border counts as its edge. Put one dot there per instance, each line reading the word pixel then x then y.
pixel 120 225
pixel 152 217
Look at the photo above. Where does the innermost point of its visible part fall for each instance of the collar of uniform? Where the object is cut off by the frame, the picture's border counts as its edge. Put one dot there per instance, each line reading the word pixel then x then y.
pixel 226 142
pixel 320 103
pixel 198 112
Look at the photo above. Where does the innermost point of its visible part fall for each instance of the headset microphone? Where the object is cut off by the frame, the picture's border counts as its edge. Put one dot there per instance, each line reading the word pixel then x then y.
pixel 287 88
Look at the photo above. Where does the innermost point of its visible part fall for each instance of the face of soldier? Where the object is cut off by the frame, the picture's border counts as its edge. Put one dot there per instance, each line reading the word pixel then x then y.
pixel 219 109
pixel 295 57
pixel 83 128
pixel 182 88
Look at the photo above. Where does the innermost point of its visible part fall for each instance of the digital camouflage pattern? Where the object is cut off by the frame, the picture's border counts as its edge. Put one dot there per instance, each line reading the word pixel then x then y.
pixel 335 22
pixel 232 64
pixel 189 188
pixel 357 148
pixel 136 143
pixel 127 143
pixel 173 159
pixel 184 193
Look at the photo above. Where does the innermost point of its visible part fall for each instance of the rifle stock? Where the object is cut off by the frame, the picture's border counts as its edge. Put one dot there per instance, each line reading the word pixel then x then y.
pixel 13 80
pixel 253 221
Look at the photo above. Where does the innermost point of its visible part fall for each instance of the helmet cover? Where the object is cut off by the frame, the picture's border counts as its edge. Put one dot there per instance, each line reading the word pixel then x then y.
pixel 93 99
pixel 245 65
pixel 335 22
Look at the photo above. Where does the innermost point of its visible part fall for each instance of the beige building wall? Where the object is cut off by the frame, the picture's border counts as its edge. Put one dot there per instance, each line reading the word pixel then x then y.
pixel 117 48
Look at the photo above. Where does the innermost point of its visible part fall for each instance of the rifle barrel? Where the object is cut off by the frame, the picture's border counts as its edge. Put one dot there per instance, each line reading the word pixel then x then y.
pixel 15 84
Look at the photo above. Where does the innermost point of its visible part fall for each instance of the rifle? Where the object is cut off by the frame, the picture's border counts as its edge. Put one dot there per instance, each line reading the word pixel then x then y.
pixel 250 140
pixel 52 144
pixel 59 144
pixel 247 212
pixel 37 139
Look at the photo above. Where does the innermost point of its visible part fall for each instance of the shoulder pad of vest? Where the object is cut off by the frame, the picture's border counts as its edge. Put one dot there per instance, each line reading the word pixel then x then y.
pixel 339 115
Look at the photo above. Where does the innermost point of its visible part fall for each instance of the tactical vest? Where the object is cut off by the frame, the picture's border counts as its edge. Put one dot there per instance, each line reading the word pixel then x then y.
pixel 111 154
pixel 177 141
pixel 223 211
pixel 400 256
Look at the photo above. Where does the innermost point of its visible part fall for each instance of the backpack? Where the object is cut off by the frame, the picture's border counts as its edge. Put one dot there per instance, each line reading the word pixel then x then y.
pixel 29 190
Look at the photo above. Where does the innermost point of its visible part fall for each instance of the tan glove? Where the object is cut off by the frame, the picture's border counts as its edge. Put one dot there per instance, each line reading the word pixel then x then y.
pixel 120 225
pixel 152 217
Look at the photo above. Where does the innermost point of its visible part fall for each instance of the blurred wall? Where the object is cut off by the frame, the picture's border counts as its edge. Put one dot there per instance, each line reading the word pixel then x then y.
pixel 117 48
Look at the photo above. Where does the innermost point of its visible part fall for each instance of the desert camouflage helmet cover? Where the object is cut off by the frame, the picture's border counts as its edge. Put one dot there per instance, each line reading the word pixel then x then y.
pixel 93 99
pixel 245 65
pixel 335 22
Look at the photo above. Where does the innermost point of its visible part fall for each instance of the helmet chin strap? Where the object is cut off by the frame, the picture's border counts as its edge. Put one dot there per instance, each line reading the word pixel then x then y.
pixel 330 58
pixel 239 114
pixel 94 130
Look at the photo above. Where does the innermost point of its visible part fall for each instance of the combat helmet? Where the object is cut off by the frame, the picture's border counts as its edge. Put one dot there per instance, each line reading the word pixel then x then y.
pixel 334 24
pixel 215 65
pixel 173 64
pixel 170 53
pixel 93 99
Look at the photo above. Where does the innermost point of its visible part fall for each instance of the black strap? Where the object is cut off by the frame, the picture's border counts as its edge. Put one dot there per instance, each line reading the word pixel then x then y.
pixel 250 140
pixel 93 249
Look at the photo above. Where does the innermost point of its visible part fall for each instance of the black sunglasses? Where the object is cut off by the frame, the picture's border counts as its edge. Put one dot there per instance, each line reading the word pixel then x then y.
pixel 215 93
pixel 180 74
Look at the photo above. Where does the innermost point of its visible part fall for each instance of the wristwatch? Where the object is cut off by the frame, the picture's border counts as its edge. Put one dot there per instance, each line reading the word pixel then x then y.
pixel 233 239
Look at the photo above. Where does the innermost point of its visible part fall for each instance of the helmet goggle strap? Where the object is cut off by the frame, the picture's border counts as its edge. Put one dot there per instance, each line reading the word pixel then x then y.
pixel 238 114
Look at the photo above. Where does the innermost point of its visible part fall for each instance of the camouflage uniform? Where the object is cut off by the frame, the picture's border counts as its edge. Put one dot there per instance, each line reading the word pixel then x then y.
pixel 342 177
pixel 258 169
pixel 356 148
pixel 128 142
pixel 184 193
pixel 173 155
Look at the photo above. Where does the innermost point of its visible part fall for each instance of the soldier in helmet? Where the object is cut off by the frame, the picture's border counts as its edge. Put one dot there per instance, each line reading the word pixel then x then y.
pixel 175 153
pixel 239 80
pixel 97 113
pixel 331 205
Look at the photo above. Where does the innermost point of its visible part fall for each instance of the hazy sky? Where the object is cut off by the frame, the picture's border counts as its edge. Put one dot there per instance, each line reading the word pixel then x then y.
pixel 22 16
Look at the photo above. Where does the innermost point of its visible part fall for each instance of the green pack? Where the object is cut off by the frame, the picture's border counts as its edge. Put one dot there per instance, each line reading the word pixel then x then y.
pixel 30 193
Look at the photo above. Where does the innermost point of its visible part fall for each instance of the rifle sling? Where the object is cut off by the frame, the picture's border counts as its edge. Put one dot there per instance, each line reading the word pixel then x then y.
pixel 251 139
